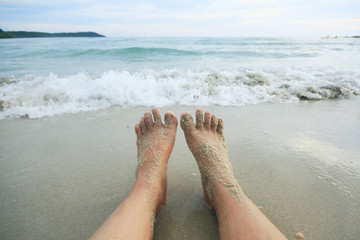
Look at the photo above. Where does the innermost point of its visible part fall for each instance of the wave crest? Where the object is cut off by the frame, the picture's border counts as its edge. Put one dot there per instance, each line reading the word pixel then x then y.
pixel 39 96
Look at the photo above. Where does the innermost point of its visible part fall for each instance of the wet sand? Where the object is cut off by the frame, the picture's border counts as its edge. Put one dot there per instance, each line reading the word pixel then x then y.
pixel 61 176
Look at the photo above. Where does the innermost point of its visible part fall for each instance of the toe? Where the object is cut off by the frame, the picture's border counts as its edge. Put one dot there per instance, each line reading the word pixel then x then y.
pixel 157 116
pixel 148 120
pixel 187 122
pixel 143 125
pixel 207 119
pixel 170 120
pixel 138 130
pixel 214 122
pixel 199 118
pixel 220 126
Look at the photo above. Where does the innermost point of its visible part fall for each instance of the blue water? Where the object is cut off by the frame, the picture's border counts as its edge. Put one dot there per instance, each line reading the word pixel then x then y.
pixel 72 55
pixel 47 76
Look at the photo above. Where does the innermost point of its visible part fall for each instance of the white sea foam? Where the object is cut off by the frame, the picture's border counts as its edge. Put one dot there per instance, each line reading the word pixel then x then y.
pixel 39 96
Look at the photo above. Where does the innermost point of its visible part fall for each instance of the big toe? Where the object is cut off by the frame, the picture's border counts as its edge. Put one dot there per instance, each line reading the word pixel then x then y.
pixel 170 120
pixel 157 116
pixel 187 122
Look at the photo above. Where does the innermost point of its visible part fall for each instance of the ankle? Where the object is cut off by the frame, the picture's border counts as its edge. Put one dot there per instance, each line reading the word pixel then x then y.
pixel 153 191
pixel 225 196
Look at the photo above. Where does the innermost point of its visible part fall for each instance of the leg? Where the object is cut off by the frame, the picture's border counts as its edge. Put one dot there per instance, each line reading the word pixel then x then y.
pixel 134 217
pixel 238 217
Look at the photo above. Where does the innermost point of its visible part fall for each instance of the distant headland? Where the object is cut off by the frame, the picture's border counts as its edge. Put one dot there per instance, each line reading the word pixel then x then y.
pixel 24 34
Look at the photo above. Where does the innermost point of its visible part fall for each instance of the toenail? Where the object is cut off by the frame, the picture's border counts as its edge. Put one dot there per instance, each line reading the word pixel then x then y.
pixel 168 120
pixel 186 118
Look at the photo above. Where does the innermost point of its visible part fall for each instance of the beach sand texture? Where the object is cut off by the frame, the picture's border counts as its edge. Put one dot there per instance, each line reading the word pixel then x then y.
pixel 61 176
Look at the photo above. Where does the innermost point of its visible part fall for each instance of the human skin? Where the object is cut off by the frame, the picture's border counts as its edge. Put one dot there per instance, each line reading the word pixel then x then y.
pixel 134 217
pixel 238 217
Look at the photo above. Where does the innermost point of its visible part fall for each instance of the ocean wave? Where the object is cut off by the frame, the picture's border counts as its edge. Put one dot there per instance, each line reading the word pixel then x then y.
pixel 116 52
pixel 39 96
pixel 129 53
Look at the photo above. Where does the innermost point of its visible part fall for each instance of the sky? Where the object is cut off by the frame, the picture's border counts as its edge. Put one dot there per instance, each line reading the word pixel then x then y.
pixel 184 18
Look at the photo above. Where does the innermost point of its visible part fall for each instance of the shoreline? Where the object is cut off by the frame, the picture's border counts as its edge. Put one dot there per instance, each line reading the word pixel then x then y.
pixel 62 176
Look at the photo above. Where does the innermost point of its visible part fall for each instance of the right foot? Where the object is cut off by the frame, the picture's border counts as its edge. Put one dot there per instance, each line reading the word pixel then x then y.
pixel 206 141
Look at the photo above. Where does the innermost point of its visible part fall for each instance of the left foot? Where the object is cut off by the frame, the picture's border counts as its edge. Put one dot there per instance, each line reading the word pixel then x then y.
pixel 155 142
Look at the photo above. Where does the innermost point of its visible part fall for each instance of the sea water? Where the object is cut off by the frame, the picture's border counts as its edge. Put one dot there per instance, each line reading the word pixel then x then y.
pixel 50 76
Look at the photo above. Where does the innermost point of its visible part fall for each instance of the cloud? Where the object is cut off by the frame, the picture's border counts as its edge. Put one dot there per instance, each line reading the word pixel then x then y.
pixel 329 21
pixel 183 18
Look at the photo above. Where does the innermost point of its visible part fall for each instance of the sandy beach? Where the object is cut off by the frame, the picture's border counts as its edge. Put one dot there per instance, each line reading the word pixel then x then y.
pixel 61 176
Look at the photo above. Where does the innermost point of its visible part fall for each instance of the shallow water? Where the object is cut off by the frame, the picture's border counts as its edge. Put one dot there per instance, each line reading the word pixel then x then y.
pixel 47 77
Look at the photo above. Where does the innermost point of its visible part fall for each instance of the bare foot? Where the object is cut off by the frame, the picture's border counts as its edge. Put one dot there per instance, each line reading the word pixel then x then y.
pixel 155 142
pixel 207 143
